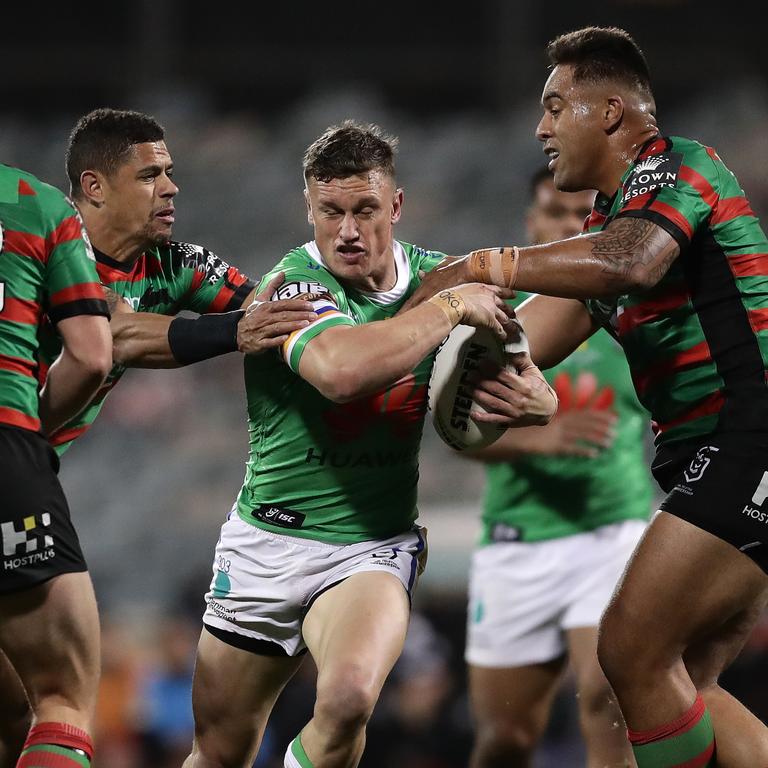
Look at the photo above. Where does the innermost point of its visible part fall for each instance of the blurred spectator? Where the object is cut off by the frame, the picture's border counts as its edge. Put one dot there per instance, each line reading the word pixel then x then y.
pixel 166 695
pixel 421 723
pixel 115 734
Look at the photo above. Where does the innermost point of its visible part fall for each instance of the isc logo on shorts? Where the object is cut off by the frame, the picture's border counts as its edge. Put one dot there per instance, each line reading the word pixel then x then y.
pixel 284 518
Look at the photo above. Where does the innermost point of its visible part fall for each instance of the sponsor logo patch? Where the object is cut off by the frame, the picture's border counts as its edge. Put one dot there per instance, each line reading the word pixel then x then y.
pixel 653 173
pixel 301 289
pixel 25 542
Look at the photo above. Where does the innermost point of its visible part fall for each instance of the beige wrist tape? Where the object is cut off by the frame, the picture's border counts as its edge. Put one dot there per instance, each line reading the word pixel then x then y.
pixel 451 303
pixel 495 266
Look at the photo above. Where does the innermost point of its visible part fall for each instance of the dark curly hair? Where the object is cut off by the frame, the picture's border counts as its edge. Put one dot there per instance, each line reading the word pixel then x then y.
pixel 102 140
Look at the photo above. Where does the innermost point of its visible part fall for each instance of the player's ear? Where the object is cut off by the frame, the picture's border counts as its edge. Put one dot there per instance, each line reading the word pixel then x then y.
pixel 397 206
pixel 308 203
pixel 613 113
pixel 92 187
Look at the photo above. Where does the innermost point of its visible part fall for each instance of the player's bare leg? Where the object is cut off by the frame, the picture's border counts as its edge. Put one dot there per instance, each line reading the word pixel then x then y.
pixel 511 707
pixel 737 730
pixel 684 589
pixel 355 633
pixel 50 634
pixel 233 694
pixel 601 721
pixel 15 714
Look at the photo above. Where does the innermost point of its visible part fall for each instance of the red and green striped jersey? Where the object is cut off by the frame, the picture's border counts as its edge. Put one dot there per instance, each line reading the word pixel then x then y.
pixel 46 266
pixel 164 280
pixel 697 342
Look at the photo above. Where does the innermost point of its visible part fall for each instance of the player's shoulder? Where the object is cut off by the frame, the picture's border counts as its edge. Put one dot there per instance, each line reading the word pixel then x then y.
pixel 22 188
pixel 668 153
pixel 422 259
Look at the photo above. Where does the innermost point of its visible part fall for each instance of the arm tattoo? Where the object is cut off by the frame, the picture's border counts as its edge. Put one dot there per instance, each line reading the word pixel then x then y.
pixel 630 248
pixel 113 299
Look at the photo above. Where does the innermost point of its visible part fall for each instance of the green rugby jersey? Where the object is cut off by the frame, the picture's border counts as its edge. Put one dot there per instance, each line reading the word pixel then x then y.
pixel 697 343
pixel 545 497
pixel 46 266
pixel 317 469
pixel 164 280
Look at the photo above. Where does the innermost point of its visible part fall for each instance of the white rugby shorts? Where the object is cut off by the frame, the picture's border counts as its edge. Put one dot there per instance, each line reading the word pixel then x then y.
pixel 523 597
pixel 264 583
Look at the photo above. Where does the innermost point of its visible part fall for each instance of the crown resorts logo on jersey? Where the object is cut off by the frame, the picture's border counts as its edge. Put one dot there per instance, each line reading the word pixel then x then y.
pixel 653 173
pixel 23 547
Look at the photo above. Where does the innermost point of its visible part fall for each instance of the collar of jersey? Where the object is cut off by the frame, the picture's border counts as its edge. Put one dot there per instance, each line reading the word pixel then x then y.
pixel 382 298
pixel 108 261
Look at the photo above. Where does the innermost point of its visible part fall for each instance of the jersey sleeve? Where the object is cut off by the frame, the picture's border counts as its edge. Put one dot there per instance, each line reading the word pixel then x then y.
pixel 325 300
pixel 674 187
pixel 72 284
pixel 212 284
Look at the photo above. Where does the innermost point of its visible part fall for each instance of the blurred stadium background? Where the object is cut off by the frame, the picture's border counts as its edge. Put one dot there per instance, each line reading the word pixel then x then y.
pixel 241 90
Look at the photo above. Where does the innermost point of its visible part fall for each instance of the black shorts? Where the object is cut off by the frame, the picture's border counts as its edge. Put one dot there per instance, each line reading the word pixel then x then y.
pixel 37 539
pixel 720 484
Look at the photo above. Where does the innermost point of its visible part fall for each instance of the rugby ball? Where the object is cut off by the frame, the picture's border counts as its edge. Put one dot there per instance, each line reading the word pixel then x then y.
pixel 450 399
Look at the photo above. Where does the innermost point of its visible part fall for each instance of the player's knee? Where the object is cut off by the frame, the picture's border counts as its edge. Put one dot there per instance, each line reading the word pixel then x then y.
pixel 508 742
pixel 618 644
pixel 345 700
pixel 219 748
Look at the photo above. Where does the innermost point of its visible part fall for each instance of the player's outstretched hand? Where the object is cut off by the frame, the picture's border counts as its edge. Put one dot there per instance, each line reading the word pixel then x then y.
pixel 484 306
pixel 267 324
pixel 578 432
pixel 514 399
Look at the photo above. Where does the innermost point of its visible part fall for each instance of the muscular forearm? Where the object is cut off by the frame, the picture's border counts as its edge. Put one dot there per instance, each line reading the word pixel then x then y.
pixel 630 255
pixel 69 387
pixel 345 363
pixel 140 340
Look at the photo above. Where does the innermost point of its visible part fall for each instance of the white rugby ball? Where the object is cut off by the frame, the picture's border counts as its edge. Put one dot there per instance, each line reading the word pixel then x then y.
pixel 450 399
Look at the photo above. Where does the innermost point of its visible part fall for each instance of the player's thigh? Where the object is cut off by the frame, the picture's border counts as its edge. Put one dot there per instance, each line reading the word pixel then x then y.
pixel 233 693
pixel 50 633
pixel 682 584
pixel 355 630
pixel 514 703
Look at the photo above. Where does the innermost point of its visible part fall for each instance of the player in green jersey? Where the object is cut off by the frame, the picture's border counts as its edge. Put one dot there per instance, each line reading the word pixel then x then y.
pixel 120 171
pixel 49 626
pixel 675 263
pixel 564 507
pixel 321 551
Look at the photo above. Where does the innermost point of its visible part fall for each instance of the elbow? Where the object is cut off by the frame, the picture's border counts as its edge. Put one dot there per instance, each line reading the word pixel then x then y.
pixel 97 363
pixel 641 279
pixel 341 385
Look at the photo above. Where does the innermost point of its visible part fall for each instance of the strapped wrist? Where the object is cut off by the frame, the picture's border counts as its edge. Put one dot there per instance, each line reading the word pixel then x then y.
pixel 494 266
pixel 451 303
